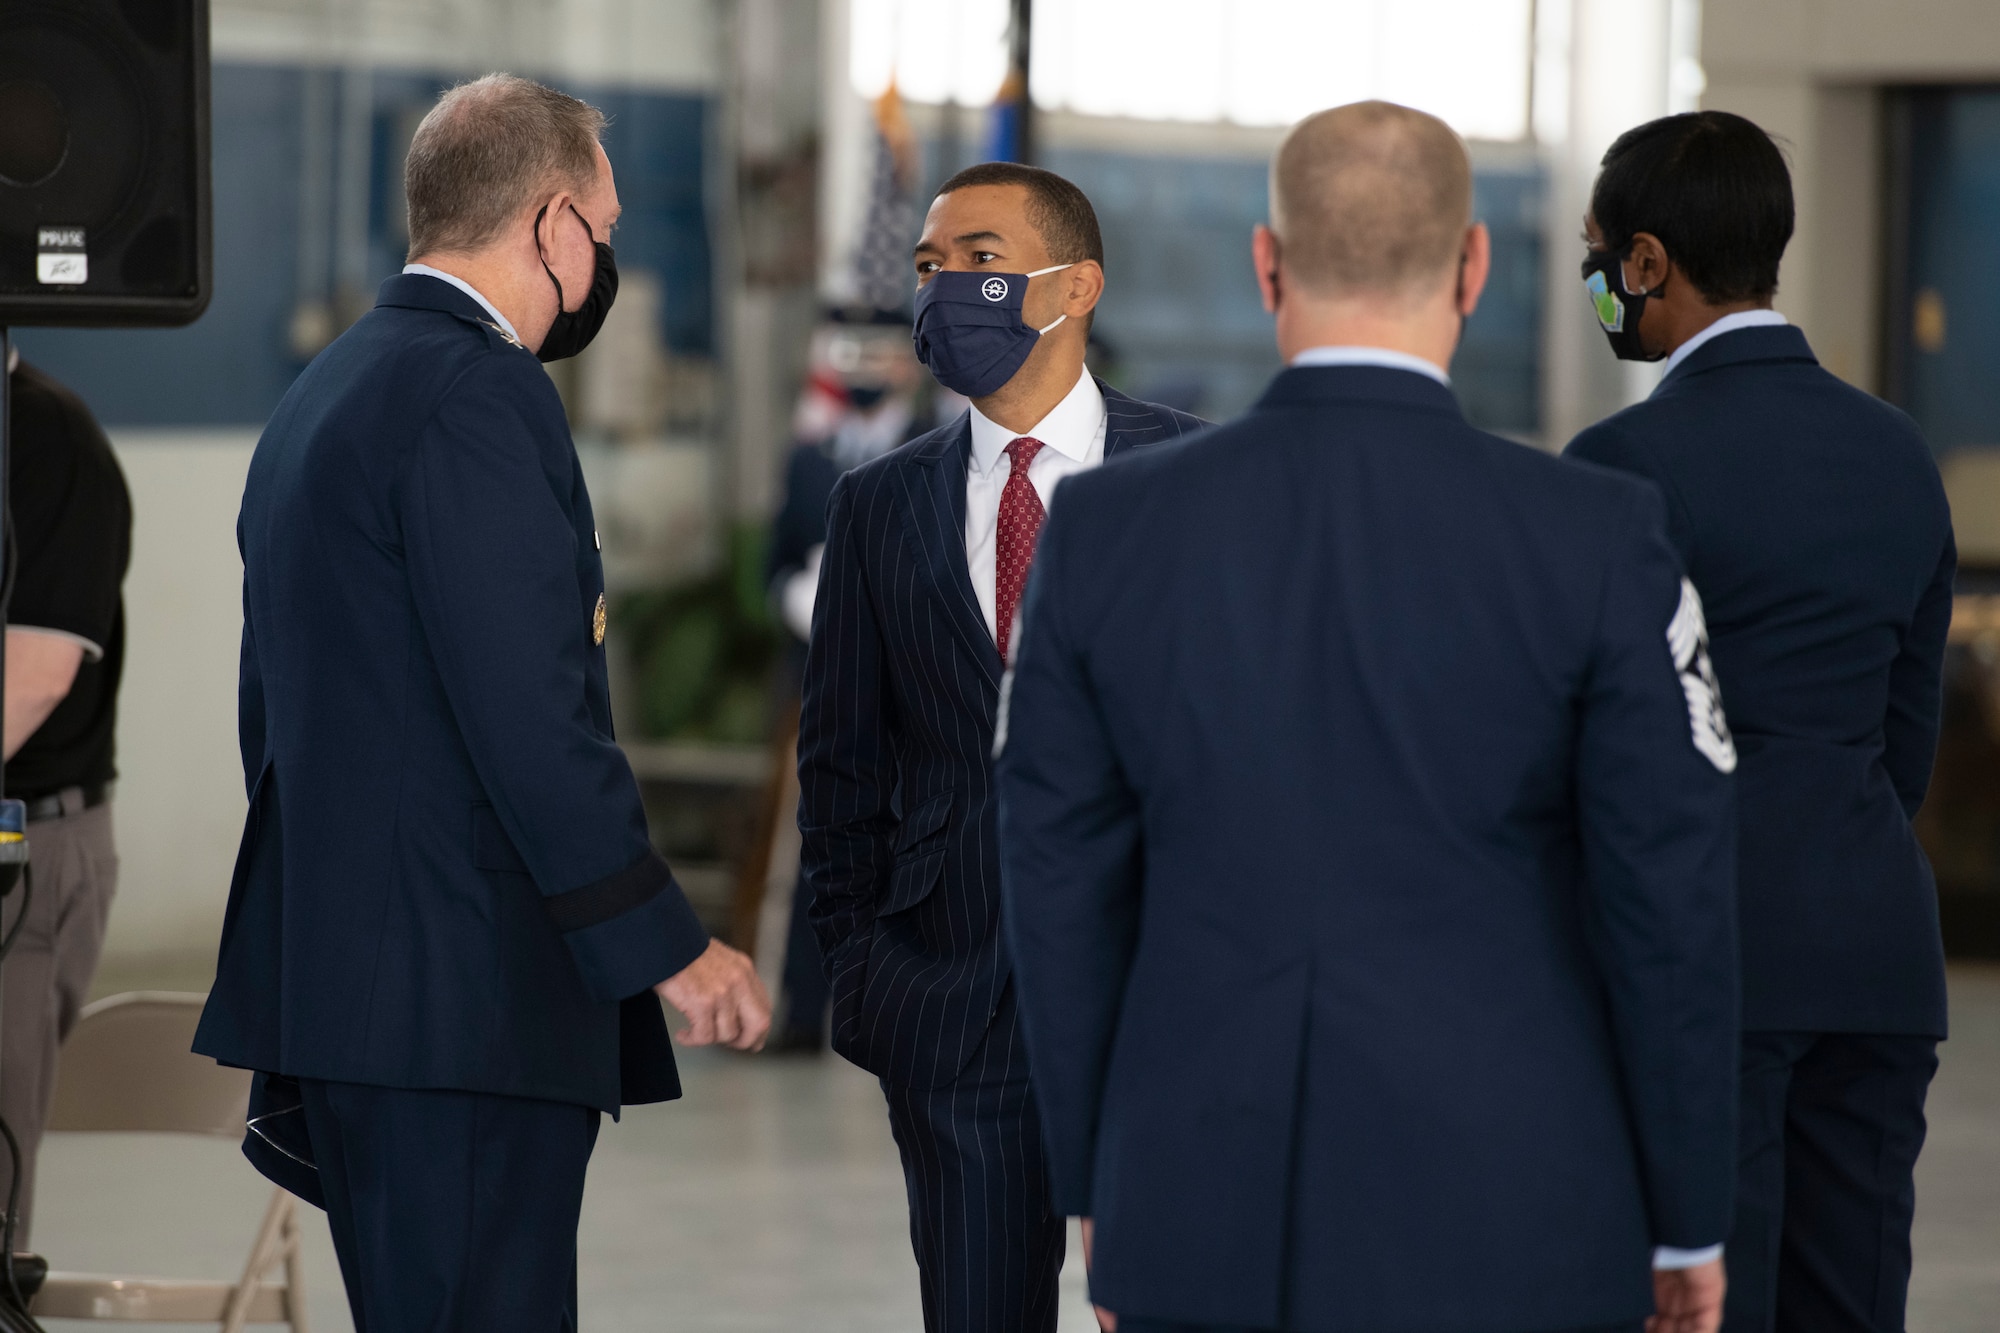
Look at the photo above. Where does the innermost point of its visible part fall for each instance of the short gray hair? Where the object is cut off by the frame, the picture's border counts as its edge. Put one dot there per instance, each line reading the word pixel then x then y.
pixel 1370 199
pixel 485 151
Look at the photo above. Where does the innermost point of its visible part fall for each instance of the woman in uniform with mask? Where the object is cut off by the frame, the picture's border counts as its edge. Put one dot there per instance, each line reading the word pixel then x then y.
pixel 1818 547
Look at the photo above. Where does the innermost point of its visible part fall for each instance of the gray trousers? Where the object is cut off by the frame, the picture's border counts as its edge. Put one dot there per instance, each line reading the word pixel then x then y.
pixel 45 980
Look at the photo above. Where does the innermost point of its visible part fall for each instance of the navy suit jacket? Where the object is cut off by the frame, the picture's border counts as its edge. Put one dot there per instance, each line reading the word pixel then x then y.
pixel 1370 900
pixel 1811 517
pixel 895 756
pixel 445 879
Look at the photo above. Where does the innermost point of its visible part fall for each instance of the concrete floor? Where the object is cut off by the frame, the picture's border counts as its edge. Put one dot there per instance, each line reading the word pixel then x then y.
pixel 770 1199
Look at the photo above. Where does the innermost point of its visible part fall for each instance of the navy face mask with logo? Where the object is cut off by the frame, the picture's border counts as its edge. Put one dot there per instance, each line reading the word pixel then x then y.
pixel 969 331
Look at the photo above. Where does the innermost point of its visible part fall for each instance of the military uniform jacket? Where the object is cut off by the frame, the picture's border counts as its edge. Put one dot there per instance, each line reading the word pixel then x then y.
pixel 1811 517
pixel 445 878
pixel 1368 875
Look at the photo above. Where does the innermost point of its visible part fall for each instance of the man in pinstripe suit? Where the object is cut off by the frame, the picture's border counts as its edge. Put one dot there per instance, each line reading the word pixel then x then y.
pixel 926 553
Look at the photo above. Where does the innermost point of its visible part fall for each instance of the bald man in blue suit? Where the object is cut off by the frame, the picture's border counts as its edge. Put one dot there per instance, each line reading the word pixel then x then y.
pixel 1366 831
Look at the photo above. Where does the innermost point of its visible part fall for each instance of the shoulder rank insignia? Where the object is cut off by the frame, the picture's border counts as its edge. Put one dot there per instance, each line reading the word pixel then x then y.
pixel 597 622
pixel 505 336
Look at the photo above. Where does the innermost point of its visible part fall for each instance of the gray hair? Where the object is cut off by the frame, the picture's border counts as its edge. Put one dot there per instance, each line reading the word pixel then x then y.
pixel 488 149
pixel 1371 199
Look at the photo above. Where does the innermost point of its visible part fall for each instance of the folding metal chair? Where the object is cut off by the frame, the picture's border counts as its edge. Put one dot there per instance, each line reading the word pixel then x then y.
pixel 127 1068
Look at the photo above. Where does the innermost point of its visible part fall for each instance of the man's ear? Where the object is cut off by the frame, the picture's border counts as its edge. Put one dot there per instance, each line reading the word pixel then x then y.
pixel 1646 265
pixel 1086 288
pixel 1264 255
pixel 548 234
pixel 545 229
pixel 1475 266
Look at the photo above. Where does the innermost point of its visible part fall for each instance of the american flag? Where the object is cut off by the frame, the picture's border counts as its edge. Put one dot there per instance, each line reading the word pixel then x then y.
pixel 882 274
pixel 1006 139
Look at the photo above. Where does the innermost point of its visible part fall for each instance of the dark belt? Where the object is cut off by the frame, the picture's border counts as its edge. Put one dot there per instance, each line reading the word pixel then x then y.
pixel 51 807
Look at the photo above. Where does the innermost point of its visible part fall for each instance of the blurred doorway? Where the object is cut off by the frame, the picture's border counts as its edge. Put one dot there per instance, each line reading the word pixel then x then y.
pixel 1942 353
pixel 1944 298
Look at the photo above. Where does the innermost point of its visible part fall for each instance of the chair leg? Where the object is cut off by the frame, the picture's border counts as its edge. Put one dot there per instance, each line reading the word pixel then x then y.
pixel 295 1269
pixel 263 1254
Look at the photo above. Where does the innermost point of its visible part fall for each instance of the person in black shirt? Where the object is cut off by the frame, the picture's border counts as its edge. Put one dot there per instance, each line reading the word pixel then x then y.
pixel 65 649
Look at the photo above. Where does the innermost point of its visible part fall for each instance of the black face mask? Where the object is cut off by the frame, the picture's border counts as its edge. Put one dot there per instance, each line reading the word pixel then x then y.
pixel 1617 310
pixel 574 329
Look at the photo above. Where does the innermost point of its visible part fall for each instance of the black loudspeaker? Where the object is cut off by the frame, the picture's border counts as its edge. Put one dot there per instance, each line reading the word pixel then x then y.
pixel 104 165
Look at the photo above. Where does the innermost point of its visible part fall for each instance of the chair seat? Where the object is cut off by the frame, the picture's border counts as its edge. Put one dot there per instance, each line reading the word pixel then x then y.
pixel 165 1300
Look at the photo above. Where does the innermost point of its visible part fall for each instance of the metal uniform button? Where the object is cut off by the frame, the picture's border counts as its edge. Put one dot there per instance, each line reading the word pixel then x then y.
pixel 598 538
pixel 597 622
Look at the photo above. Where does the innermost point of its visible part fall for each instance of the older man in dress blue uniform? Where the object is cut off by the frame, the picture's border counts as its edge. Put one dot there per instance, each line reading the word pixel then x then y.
pixel 1366 831
pixel 448 935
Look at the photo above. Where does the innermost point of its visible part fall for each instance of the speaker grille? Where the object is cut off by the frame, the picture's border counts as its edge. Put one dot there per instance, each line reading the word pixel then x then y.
pixel 103 161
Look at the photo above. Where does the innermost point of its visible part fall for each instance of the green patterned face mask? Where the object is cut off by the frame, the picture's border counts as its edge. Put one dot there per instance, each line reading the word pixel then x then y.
pixel 1617 310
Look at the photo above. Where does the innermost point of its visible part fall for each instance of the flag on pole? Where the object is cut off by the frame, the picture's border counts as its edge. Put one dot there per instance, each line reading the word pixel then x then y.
pixel 1010 126
pixel 882 273
pixel 1007 123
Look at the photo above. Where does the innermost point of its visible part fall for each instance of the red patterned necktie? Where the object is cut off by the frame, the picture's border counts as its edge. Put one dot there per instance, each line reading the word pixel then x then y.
pixel 1021 515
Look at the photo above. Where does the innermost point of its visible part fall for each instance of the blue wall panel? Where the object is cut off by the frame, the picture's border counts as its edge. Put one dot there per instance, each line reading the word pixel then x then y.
pixel 1945 311
pixel 1181 306
pixel 657 148
pixel 1498 370
pixel 232 366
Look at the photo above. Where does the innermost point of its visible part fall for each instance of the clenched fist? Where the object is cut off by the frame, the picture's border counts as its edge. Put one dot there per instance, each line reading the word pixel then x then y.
pixel 1688 1300
pixel 722 998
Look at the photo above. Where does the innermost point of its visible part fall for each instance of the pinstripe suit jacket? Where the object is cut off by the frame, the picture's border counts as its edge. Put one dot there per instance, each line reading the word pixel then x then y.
pixel 896 802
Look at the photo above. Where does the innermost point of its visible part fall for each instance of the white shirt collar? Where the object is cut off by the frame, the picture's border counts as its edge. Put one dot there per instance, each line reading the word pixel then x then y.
pixel 470 291
pixel 1742 319
pixel 1371 356
pixel 1070 428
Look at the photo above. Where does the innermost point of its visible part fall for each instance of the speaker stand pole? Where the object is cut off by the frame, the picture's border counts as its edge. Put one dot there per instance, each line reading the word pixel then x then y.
pixel 6 508
pixel 14 1316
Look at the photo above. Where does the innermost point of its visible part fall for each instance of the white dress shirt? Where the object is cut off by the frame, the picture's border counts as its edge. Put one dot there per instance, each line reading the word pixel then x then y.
pixel 1371 356
pixel 470 291
pixel 1742 319
pixel 1665 1256
pixel 1073 433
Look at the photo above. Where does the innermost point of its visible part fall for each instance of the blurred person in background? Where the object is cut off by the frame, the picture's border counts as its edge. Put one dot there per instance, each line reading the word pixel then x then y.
pixel 863 396
pixel 927 550
pixel 1811 517
pixel 449 934
pixel 1367 871
pixel 65 651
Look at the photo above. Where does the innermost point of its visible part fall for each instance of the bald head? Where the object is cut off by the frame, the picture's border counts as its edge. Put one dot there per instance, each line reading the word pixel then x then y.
pixel 1371 200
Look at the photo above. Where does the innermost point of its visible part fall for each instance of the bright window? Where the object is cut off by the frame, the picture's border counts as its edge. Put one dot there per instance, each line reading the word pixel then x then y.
pixel 938 50
pixel 1255 62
